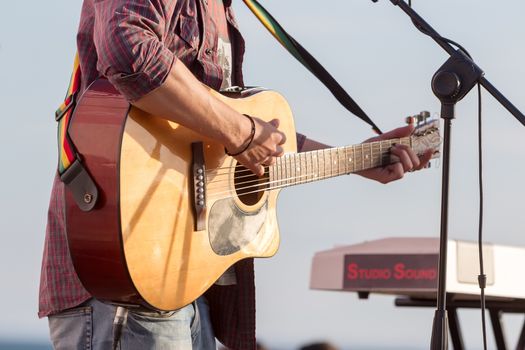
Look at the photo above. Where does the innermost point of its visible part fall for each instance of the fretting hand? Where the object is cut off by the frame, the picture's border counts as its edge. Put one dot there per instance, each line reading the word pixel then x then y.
pixel 408 160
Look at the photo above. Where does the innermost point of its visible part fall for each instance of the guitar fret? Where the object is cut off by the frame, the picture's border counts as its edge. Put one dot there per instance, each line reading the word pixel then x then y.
pixel 307 167
pixel 288 175
pixel 351 158
pixel 359 158
pixel 304 168
pixel 297 164
pixel 330 159
pixel 365 156
pixel 341 160
pixel 375 162
pixel 281 171
pixel 346 160
pixel 332 163
pixel 320 161
pixel 276 172
pixel 371 156
pixel 298 169
pixel 381 153
pixel 293 169
pixel 304 171
pixel 372 162
pixel 304 163
pixel 337 161
pixel 288 170
pixel 315 167
pixel 327 165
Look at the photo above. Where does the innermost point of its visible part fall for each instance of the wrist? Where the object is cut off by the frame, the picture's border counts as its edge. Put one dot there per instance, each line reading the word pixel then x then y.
pixel 243 139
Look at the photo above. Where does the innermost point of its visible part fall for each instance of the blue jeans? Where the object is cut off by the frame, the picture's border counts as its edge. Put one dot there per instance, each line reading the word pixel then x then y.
pixel 90 326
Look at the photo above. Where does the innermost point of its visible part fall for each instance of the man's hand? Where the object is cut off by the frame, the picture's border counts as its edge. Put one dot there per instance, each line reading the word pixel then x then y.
pixel 266 145
pixel 408 159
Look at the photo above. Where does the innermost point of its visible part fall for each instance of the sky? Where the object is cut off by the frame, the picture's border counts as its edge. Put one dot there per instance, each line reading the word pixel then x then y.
pixel 386 65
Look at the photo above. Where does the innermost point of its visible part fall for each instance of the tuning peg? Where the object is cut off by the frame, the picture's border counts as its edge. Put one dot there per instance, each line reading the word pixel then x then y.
pixel 425 115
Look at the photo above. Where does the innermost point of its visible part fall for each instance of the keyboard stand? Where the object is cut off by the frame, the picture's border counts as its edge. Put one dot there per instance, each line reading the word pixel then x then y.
pixel 495 309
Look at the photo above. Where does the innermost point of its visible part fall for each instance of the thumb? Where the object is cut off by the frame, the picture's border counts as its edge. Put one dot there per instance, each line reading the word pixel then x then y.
pixel 275 122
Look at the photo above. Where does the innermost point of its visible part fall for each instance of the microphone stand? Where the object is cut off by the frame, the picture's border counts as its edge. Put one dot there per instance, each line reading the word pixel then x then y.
pixel 453 80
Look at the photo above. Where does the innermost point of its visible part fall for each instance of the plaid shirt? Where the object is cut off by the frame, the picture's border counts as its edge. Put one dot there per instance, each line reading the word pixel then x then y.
pixel 134 44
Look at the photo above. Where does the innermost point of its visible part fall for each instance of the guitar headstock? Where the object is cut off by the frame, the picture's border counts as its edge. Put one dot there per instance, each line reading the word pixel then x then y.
pixel 426 135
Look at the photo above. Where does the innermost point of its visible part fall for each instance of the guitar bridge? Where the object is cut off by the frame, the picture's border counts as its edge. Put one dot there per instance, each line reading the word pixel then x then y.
pixel 198 184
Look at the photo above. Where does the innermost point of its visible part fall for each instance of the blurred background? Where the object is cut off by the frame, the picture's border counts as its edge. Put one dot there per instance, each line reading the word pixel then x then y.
pixel 374 51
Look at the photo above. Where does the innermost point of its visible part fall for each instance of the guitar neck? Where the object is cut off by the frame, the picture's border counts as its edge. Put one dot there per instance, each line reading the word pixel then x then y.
pixel 298 168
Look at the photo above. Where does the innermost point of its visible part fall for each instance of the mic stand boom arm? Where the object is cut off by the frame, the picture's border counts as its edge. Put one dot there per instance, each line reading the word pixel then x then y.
pixel 450 84
pixel 422 25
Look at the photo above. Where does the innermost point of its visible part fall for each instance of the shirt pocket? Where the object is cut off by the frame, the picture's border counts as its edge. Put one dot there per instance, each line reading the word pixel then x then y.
pixel 188 31
pixel 184 40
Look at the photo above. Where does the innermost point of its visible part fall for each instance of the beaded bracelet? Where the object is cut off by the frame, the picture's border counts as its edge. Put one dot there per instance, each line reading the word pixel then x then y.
pixel 250 139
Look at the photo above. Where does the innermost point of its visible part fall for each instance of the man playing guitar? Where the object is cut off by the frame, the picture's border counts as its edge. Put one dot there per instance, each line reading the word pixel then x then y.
pixel 160 55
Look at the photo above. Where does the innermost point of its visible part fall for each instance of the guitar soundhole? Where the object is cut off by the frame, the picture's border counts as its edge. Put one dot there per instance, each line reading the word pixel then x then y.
pixel 248 186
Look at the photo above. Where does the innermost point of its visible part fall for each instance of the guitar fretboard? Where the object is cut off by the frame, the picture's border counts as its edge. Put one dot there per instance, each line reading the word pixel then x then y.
pixel 298 168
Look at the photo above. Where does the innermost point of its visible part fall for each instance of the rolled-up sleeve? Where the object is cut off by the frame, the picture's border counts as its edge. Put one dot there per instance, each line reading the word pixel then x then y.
pixel 128 37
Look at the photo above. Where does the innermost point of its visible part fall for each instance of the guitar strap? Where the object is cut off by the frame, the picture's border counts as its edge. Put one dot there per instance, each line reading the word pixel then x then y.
pixel 307 60
pixel 70 169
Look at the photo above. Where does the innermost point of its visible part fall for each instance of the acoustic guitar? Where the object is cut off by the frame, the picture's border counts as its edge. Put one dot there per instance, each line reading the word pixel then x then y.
pixel 174 212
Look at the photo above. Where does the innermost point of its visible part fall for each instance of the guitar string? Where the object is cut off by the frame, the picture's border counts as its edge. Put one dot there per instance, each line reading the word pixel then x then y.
pixel 375 156
pixel 282 185
pixel 247 185
pixel 353 148
pixel 285 182
pixel 293 178
pixel 288 181
pixel 279 183
pixel 374 153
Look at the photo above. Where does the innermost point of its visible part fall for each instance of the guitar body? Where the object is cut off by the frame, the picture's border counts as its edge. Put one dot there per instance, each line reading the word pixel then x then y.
pixel 140 245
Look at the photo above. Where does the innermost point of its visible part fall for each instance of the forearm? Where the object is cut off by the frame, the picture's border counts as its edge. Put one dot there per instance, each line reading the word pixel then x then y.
pixel 310 145
pixel 186 101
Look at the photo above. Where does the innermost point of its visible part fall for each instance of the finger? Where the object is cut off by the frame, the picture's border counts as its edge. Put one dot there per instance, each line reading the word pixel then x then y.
pixel 275 122
pixel 269 161
pixel 281 137
pixel 403 156
pixel 413 156
pixel 395 172
pixel 253 166
pixel 260 171
pixel 279 152
pixel 424 159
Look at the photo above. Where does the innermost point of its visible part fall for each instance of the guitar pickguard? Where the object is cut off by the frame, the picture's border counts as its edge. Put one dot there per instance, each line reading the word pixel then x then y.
pixel 230 228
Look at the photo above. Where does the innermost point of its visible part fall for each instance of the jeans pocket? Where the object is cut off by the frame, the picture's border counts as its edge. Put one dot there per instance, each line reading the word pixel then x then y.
pixel 152 315
pixel 72 329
